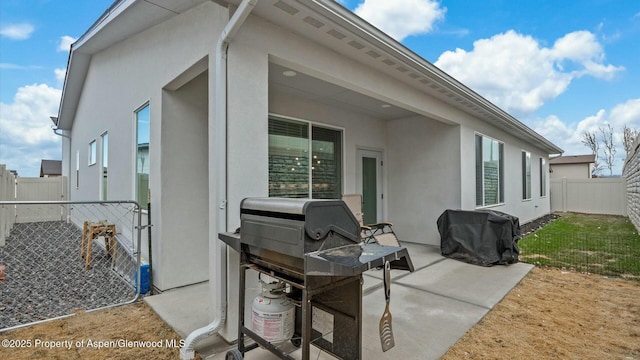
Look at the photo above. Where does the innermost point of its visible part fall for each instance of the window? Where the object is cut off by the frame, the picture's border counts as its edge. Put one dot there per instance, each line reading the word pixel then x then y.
pixel 142 156
pixel 105 164
pixel 78 169
pixel 92 152
pixel 526 175
pixel 300 168
pixel 489 171
pixel 543 177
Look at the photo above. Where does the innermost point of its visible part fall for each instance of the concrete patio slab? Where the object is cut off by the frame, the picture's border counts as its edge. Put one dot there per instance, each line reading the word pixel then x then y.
pixel 482 286
pixel 431 307
pixel 186 309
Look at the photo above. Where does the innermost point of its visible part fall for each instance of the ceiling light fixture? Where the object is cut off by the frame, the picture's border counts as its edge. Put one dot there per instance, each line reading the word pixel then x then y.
pixel 385 106
pixel 289 73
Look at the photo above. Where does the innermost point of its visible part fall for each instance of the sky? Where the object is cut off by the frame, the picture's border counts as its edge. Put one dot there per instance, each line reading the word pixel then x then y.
pixel 560 67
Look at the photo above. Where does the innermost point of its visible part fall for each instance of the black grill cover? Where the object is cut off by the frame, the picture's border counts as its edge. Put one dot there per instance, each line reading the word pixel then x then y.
pixel 483 237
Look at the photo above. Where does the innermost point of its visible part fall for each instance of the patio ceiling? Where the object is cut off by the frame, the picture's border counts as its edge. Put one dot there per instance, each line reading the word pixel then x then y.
pixel 311 88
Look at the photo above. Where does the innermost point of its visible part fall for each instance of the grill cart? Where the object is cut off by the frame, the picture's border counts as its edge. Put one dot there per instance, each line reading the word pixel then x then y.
pixel 314 250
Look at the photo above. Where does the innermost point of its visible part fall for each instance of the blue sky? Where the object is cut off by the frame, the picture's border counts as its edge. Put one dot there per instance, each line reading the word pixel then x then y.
pixel 561 67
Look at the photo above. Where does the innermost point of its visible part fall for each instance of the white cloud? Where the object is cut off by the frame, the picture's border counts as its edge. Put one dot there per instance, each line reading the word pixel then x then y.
pixel 569 137
pixel 627 113
pixel 518 74
pixel 25 129
pixel 20 31
pixel 553 129
pixel 401 18
pixel 60 75
pixel 65 43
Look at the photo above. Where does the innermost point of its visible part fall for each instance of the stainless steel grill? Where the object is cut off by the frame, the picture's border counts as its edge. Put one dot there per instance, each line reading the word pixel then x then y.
pixel 315 247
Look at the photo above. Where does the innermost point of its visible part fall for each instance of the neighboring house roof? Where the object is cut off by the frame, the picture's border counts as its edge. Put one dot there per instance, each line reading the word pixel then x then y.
pixel 324 21
pixel 573 159
pixel 50 168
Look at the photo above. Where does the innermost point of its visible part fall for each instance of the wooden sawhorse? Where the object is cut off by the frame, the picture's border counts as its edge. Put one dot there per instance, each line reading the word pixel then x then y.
pixel 93 230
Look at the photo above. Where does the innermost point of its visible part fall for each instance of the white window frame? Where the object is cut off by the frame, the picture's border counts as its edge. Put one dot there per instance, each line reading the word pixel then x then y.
pixel 135 152
pixel 501 170
pixel 311 124
pixel 544 170
pixel 102 185
pixel 77 169
pixel 93 152
pixel 527 181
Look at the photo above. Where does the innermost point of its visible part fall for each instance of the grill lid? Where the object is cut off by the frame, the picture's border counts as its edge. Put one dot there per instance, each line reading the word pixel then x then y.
pixel 320 216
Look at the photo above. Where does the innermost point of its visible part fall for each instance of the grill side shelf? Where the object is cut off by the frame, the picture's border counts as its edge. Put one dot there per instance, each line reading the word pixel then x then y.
pixel 355 259
pixel 231 239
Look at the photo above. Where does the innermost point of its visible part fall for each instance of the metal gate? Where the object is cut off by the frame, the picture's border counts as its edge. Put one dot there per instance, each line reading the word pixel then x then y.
pixel 86 259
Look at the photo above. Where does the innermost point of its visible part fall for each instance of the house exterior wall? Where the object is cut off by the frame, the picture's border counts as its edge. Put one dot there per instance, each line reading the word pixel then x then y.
pixel 429 157
pixel 263 41
pixel 121 79
pixel 423 175
pixel 443 168
pixel 571 171
pixel 525 210
pixel 184 174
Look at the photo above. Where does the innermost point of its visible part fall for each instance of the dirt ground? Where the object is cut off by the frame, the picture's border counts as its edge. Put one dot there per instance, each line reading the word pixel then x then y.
pixel 551 314
pixel 126 332
pixel 556 314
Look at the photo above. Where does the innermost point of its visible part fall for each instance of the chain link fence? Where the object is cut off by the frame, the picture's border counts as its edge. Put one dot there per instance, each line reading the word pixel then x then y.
pixel 590 253
pixel 47 272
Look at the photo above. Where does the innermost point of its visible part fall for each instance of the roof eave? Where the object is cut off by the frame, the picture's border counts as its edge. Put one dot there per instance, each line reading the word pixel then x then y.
pixel 78 65
pixel 96 38
pixel 401 52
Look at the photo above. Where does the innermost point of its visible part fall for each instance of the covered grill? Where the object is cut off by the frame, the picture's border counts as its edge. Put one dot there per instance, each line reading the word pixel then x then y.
pixel 315 247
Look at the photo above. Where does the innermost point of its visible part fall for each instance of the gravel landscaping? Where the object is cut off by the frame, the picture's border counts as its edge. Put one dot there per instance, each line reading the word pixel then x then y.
pixel 46 278
pixel 536 224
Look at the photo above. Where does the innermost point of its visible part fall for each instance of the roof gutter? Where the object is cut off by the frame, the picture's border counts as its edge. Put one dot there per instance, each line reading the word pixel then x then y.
pixel 217 260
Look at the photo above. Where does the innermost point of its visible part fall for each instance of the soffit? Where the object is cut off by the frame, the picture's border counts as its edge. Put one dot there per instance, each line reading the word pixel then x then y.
pixel 331 25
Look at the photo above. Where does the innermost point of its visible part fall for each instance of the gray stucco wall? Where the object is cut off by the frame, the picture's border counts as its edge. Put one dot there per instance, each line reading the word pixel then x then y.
pixel 631 172
pixel 143 69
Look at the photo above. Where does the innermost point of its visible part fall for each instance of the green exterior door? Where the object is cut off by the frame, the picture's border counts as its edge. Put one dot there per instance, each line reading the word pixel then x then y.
pixel 370 189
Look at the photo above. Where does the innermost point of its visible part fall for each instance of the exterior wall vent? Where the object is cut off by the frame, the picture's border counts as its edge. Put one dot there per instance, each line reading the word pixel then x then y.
pixel 286 8
pixel 356 45
pixel 336 34
pixel 373 54
pixel 313 22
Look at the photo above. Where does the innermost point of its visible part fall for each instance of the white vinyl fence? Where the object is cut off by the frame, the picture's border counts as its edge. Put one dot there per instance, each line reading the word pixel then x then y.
pixel 591 196
pixel 14 188
pixel 7 193
pixel 40 189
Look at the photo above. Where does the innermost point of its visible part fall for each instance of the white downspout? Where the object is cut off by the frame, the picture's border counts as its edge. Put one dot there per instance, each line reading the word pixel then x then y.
pixel 218 284
pixel 68 189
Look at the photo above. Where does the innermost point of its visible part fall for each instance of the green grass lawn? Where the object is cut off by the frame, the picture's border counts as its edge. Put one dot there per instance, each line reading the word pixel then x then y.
pixel 601 244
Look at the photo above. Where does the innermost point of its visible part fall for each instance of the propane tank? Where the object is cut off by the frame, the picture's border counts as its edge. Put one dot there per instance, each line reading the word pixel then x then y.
pixel 272 314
